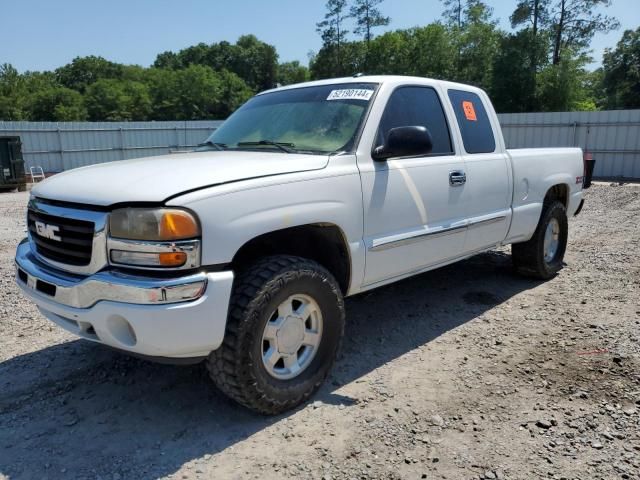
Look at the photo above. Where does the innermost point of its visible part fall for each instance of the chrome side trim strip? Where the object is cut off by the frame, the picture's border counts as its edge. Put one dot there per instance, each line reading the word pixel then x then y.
pixel 415 237
pixel 412 237
pixel 379 283
pixel 488 221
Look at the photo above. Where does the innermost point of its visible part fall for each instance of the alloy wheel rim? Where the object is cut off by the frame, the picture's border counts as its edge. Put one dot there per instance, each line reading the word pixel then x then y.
pixel 291 337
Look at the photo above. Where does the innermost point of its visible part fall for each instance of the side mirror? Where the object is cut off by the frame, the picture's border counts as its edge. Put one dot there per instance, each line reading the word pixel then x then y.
pixel 405 142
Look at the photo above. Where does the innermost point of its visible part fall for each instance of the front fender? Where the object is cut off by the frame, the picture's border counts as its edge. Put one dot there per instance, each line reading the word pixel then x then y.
pixel 231 218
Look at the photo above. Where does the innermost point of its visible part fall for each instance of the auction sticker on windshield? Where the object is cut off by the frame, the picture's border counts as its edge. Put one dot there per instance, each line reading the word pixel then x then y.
pixel 350 94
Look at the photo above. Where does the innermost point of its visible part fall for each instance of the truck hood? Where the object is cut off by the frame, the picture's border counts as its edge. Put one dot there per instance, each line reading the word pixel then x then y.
pixel 154 179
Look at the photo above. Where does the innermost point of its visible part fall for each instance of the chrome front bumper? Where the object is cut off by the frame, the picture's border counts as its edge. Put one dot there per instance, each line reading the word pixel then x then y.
pixel 173 318
pixel 85 291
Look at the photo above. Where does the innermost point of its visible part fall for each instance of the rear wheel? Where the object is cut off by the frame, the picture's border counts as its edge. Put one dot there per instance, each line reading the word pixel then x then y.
pixel 286 320
pixel 542 256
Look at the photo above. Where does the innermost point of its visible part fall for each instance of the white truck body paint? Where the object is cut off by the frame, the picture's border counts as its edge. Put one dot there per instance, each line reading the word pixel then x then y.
pixel 398 218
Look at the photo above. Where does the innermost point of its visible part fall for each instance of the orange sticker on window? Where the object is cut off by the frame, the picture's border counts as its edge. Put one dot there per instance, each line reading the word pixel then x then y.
pixel 469 111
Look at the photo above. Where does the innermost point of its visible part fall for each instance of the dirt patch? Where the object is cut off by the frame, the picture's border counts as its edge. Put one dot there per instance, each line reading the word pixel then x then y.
pixel 465 372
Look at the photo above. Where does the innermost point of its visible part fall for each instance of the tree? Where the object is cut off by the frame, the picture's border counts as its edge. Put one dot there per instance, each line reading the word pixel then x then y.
pixel 565 86
pixel 113 100
pixel 233 93
pixel 535 14
pixel 323 64
pixel 12 93
pixel 422 51
pixel 475 37
pixel 58 104
pixel 574 23
pixel 333 33
pixel 621 78
pixel 292 72
pixel 255 62
pixel 477 44
pixel 368 17
pixel 84 71
pixel 513 84
pixel 252 60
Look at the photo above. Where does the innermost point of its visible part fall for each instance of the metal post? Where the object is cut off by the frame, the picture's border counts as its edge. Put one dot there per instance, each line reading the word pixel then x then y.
pixel 122 146
pixel 62 165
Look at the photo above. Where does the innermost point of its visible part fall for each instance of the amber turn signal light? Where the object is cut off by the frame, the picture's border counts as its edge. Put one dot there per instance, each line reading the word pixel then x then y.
pixel 172 259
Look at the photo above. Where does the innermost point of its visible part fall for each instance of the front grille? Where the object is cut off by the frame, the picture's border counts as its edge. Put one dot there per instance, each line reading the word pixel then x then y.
pixel 76 238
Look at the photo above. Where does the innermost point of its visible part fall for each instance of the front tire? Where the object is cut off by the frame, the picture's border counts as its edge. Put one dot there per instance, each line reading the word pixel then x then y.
pixel 285 324
pixel 542 256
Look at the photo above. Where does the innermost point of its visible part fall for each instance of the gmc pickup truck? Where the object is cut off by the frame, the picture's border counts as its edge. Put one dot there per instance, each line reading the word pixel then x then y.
pixel 240 253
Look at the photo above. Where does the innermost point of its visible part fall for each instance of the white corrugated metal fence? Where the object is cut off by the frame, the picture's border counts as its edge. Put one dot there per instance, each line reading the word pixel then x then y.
pixel 612 136
pixel 59 146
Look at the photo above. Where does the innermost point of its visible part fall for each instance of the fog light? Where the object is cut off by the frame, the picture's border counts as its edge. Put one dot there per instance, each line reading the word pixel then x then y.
pixel 180 293
pixel 144 259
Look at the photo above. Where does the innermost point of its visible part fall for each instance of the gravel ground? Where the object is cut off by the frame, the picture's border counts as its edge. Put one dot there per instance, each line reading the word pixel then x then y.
pixel 462 373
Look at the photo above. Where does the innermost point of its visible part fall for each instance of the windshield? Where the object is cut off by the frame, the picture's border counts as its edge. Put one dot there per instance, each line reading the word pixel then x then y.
pixel 322 119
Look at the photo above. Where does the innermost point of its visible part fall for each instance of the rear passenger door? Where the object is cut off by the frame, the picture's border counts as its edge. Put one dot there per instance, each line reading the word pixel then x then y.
pixel 414 216
pixel 488 190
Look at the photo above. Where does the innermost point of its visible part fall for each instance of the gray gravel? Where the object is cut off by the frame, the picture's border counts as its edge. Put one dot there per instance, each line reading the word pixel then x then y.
pixel 468 372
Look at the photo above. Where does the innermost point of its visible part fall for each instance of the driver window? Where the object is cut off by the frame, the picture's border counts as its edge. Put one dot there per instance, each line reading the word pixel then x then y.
pixel 410 106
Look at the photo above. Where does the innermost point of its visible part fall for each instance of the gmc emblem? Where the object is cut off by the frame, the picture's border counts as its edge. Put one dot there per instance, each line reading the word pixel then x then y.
pixel 48 231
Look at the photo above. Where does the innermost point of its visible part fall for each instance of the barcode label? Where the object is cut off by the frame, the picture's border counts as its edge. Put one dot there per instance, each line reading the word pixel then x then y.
pixel 350 94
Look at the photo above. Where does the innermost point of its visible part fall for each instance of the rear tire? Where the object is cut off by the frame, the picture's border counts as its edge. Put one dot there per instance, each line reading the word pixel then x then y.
pixel 542 256
pixel 285 324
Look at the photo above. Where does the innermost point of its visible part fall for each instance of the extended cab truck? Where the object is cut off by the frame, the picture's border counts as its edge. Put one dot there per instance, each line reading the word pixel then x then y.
pixel 240 253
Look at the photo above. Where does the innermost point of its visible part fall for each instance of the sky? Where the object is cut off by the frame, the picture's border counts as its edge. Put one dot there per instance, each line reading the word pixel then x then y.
pixel 46 34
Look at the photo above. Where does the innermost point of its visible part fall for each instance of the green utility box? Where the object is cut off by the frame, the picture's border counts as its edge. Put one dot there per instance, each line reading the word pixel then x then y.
pixel 12 174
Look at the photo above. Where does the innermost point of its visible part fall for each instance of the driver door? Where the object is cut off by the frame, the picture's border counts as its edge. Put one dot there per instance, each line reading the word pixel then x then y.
pixel 414 215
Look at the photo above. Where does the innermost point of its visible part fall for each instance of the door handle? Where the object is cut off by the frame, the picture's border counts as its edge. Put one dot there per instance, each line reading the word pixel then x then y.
pixel 457 177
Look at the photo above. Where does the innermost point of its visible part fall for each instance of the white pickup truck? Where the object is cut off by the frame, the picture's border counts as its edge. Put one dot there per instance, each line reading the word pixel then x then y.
pixel 239 253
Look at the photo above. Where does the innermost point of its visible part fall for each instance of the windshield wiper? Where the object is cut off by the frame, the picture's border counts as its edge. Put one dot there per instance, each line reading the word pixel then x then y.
pixel 284 146
pixel 217 145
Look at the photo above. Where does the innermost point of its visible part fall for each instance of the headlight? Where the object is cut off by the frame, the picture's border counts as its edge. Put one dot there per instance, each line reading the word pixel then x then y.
pixel 153 224
pixel 154 238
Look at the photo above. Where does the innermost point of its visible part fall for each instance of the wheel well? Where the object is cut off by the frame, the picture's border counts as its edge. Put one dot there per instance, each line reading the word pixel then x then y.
pixel 558 192
pixel 323 243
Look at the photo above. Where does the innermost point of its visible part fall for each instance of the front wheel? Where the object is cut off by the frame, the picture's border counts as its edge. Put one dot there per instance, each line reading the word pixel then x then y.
pixel 285 323
pixel 541 257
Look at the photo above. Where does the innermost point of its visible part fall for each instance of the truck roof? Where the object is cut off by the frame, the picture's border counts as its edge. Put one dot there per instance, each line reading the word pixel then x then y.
pixel 378 79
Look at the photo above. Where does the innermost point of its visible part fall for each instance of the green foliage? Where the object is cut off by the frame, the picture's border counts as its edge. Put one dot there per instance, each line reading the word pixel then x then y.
pixel 292 72
pixel 422 51
pixel 539 66
pixel 334 34
pixel 477 44
pixel 621 79
pixel 564 87
pixel 12 93
pixel 253 61
pixel 59 104
pixel 114 100
pixel 575 22
pixel 367 16
pixel 84 71
pixel 513 86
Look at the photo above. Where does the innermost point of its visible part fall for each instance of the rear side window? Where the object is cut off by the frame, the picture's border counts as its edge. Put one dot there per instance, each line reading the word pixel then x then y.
pixel 412 106
pixel 477 134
